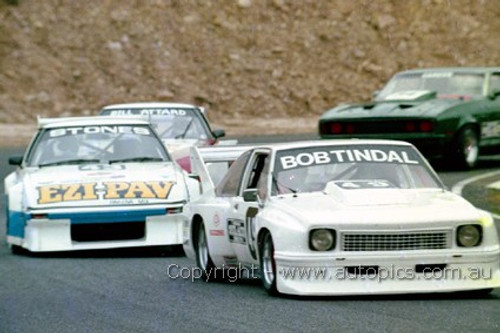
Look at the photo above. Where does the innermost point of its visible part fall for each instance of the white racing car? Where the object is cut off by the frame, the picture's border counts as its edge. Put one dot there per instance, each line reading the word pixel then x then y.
pixel 340 217
pixel 179 126
pixel 95 183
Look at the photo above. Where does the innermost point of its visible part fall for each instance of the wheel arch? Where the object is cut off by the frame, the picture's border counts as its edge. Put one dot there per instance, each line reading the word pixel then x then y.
pixel 260 237
pixel 196 223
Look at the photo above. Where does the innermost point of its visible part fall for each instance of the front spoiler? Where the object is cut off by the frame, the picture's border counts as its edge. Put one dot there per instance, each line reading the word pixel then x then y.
pixel 396 274
pixel 48 235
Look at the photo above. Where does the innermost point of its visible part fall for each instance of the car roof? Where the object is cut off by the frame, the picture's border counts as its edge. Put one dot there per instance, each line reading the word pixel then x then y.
pixel 336 142
pixel 93 120
pixel 148 105
pixel 472 69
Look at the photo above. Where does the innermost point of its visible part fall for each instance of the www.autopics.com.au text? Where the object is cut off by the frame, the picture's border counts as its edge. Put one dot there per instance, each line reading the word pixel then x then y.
pixel 364 273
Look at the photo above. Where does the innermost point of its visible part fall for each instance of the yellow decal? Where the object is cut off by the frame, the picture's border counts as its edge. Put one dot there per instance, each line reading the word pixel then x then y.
pixel 115 190
pixel 161 191
pixel 68 192
pixel 112 190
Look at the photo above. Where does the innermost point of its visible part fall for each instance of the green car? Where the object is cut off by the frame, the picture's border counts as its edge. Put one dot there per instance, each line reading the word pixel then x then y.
pixel 447 113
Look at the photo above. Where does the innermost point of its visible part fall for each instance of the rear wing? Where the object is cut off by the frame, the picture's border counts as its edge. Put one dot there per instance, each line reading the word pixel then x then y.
pixel 211 163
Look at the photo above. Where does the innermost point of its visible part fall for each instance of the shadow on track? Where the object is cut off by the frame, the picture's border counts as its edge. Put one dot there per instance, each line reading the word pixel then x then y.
pixel 139 252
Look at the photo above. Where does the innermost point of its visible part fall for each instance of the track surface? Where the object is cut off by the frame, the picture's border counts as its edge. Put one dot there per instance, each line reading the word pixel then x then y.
pixel 130 291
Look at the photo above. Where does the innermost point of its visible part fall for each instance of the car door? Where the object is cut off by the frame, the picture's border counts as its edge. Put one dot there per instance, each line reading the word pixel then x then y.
pixel 241 218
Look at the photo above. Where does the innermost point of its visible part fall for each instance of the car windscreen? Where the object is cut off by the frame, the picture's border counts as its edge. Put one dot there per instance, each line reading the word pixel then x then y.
pixel 96 144
pixel 170 123
pixel 444 83
pixel 351 166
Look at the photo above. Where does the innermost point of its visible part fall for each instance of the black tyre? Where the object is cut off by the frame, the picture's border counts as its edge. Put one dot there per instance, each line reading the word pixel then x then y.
pixel 466 149
pixel 203 259
pixel 18 250
pixel 268 265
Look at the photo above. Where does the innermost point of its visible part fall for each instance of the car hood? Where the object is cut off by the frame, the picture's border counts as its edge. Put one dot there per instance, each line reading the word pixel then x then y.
pixel 91 185
pixel 429 106
pixel 368 206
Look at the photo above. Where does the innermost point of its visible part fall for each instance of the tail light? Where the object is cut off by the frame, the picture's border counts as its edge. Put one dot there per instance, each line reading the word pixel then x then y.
pixel 174 210
pixel 39 216
pixel 426 126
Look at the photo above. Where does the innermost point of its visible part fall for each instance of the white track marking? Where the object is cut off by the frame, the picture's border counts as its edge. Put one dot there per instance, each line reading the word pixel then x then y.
pixel 458 187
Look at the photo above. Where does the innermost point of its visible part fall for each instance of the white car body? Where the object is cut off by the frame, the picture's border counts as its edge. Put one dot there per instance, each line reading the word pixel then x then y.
pixel 180 126
pixel 387 239
pixel 96 204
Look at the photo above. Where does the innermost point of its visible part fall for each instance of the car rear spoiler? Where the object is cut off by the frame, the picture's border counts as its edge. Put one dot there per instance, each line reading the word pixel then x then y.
pixel 210 164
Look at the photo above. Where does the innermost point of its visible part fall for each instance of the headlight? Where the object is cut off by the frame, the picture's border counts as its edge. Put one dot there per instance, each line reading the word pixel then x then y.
pixel 322 239
pixel 469 235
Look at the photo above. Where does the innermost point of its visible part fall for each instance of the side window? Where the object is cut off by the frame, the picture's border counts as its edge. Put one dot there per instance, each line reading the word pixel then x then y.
pixel 258 174
pixel 495 82
pixel 257 167
pixel 262 183
pixel 228 186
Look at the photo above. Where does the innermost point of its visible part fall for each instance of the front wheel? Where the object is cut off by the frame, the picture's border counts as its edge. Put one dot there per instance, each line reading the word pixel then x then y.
pixel 203 259
pixel 466 148
pixel 268 265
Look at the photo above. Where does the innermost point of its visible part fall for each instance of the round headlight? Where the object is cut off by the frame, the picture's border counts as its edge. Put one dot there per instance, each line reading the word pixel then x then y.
pixel 322 240
pixel 469 235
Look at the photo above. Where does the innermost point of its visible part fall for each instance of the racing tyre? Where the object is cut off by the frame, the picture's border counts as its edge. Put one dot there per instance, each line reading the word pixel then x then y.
pixel 203 259
pixel 466 149
pixel 16 249
pixel 268 265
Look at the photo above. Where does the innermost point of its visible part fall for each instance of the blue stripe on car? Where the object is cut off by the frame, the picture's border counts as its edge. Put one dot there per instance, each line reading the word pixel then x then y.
pixel 107 217
pixel 15 223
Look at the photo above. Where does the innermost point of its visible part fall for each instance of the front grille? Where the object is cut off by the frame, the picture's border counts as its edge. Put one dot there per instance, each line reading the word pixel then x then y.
pixel 433 240
pixel 95 232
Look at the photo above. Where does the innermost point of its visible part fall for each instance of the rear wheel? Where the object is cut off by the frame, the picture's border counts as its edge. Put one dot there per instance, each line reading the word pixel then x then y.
pixel 466 148
pixel 203 259
pixel 268 265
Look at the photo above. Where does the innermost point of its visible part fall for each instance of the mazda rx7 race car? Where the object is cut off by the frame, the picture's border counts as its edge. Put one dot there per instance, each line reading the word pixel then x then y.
pixel 340 217
pixel 179 126
pixel 95 183
pixel 452 114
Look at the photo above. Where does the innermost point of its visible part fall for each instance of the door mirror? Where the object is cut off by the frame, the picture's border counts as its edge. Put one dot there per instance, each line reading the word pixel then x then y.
pixel 494 94
pixel 15 160
pixel 219 133
pixel 250 195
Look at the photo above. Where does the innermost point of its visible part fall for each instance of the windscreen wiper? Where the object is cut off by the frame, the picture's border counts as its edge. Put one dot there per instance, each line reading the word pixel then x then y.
pixel 73 161
pixel 183 134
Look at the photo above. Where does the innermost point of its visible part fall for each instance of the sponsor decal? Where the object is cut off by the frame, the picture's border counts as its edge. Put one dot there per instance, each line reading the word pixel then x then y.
pixel 151 112
pixel 216 220
pixel 216 232
pixel 48 194
pixel 57 132
pixel 437 75
pixel 100 167
pixel 300 158
pixel 236 231
pixel 490 129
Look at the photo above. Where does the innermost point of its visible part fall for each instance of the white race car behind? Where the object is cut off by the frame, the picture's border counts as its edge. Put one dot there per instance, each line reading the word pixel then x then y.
pixel 95 183
pixel 340 217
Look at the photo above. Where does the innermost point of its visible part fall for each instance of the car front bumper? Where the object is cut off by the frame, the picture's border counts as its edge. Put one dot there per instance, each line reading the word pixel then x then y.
pixel 46 235
pixel 397 273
